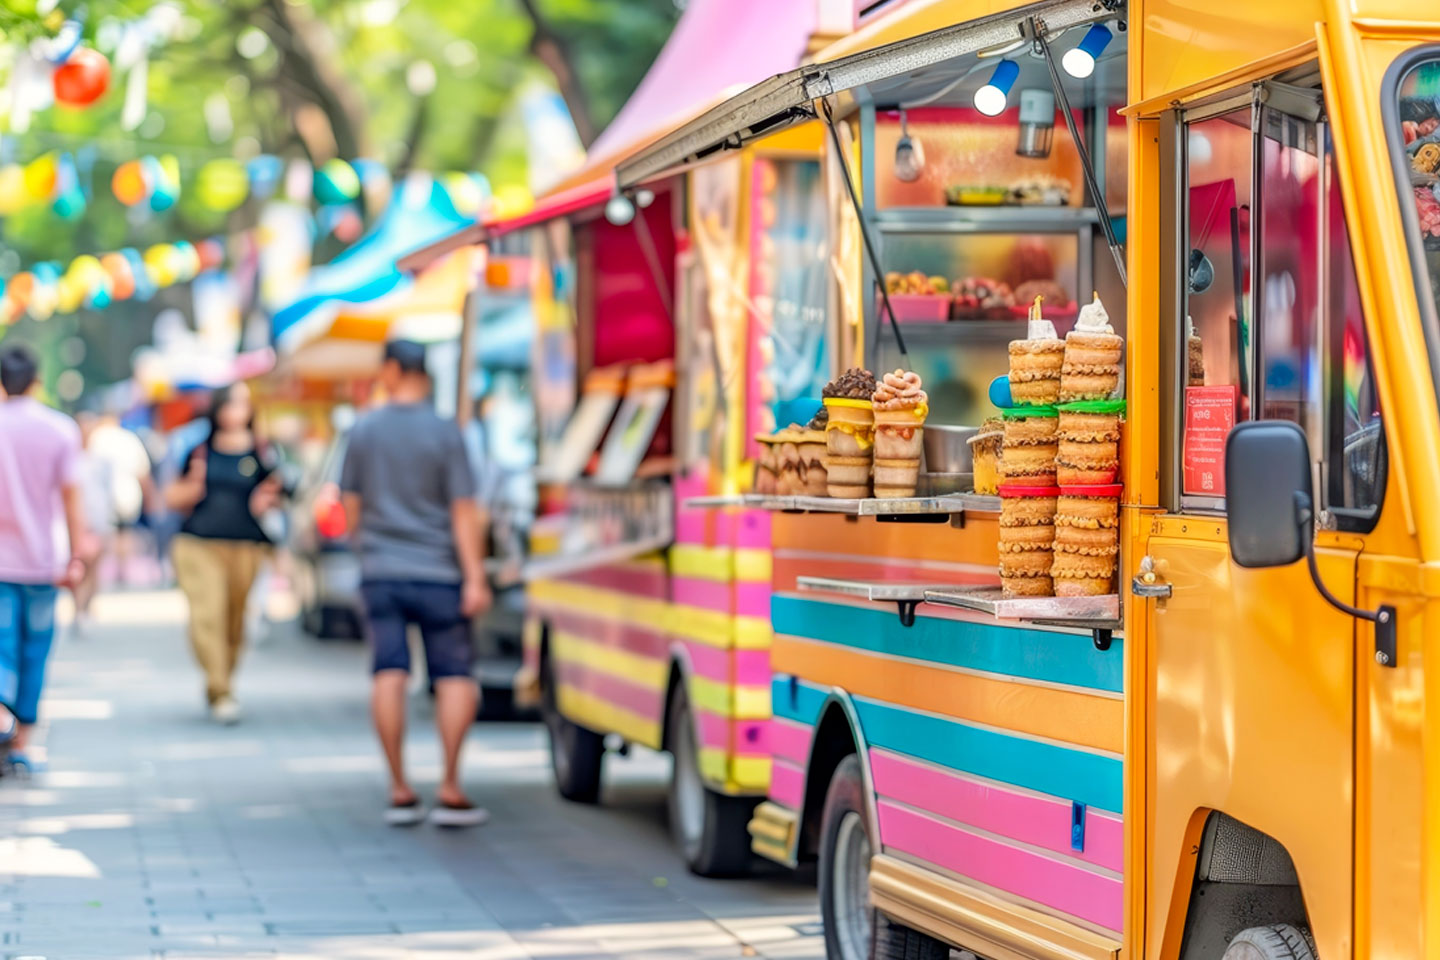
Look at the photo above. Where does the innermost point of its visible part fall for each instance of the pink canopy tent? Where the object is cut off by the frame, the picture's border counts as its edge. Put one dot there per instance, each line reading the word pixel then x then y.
pixel 718 48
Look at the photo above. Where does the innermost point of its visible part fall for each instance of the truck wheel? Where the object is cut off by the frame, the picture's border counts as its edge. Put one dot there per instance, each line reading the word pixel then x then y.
pixel 846 846
pixel 575 752
pixel 896 942
pixel 708 827
pixel 1279 941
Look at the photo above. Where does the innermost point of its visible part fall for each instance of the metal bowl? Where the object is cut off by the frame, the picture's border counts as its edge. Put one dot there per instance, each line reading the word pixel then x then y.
pixel 947 449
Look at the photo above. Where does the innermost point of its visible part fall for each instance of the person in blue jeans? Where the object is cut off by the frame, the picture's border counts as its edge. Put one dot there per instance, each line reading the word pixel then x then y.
pixel 39 468
pixel 409 497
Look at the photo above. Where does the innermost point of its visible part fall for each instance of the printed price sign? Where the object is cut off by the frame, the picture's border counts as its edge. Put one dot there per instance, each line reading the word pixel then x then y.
pixel 1209 417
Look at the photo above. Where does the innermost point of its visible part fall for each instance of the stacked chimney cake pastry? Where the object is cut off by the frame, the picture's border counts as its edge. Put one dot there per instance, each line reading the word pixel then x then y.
pixel 1027 538
pixel 1087 542
pixel 1036 362
pixel 1091 365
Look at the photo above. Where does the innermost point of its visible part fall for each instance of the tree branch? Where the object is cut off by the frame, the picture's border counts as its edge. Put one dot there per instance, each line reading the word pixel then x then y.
pixel 552 51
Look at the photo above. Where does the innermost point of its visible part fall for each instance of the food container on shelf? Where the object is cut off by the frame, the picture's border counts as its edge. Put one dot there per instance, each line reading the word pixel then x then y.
pixel 947 448
pixel 943 484
pixel 985 454
pixel 1057 311
pixel 976 196
pixel 920 307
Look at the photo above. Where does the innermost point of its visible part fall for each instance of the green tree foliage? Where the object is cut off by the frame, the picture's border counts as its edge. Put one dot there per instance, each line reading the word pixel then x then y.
pixel 323 78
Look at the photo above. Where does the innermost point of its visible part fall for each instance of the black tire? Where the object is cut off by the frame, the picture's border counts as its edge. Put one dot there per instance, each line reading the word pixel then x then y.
pixel 896 942
pixel 1279 941
pixel 846 838
pixel 708 827
pixel 496 704
pixel 576 753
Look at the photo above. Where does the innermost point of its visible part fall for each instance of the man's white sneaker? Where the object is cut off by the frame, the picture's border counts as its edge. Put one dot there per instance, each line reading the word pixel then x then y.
pixel 404 814
pixel 225 711
pixel 458 815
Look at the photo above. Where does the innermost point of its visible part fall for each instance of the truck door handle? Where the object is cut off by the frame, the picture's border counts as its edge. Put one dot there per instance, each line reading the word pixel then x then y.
pixel 1141 588
pixel 1147 584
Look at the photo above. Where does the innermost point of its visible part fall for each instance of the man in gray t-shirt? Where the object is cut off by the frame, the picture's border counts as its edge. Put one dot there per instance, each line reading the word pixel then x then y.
pixel 410 498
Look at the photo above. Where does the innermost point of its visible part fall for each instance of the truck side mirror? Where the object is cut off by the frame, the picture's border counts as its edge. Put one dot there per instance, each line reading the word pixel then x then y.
pixel 1269 504
pixel 1268 499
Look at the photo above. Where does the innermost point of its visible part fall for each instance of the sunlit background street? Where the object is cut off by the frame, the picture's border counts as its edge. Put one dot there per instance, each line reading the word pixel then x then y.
pixel 156 834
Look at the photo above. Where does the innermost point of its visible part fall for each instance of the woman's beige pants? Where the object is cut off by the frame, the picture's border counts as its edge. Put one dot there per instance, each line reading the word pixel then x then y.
pixel 215 576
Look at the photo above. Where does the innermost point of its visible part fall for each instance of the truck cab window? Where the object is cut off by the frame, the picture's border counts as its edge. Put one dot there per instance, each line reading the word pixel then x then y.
pixel 1305 357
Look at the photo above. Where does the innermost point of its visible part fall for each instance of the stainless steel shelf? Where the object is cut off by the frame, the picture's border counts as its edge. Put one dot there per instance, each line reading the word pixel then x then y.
pixel 877 590
pixel 951 503
pixel 1090 613
pixel 982 219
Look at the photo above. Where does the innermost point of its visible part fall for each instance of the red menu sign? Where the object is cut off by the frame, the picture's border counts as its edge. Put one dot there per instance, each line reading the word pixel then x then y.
pixel 1209 417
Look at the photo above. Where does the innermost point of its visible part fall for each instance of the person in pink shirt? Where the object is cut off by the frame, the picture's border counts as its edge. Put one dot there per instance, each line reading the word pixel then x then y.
pixel 39 476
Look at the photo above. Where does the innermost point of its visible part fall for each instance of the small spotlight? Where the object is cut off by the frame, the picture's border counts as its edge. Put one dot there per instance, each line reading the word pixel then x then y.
pixel 1080 62
pixel 619 210
pixel 643 198
pixel 991 98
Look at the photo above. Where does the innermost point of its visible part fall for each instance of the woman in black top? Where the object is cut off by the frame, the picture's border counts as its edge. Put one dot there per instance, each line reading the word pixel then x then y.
pixel 228 483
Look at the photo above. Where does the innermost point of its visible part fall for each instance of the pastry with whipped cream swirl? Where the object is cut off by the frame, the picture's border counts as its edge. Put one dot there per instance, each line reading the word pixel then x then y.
pixel 900 390
pixel 1091 369
pixel 901 406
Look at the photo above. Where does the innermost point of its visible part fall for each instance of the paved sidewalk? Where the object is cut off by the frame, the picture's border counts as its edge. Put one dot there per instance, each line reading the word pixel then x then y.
pixel 157 834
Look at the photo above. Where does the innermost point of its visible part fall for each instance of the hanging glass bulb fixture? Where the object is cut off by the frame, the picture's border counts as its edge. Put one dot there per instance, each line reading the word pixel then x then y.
pixel 991 99
pixel 1080 62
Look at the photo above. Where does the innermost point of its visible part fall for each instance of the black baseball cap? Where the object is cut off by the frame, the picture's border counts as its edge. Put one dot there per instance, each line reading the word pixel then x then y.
pixel 407 354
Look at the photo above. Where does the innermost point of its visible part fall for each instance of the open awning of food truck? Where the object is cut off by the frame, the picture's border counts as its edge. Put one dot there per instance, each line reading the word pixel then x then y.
pixel 874 74
pixel 718 48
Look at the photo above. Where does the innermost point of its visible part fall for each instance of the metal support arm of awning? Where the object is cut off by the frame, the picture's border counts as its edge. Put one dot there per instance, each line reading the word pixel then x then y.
pixel 864 227
pixel 1097 190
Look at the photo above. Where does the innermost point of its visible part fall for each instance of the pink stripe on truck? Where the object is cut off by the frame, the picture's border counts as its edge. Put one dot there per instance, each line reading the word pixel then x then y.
pixel 1041 821
pixel 1067 887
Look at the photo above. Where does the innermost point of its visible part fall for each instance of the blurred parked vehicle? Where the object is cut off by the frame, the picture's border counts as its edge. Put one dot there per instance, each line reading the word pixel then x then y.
pixel 327 571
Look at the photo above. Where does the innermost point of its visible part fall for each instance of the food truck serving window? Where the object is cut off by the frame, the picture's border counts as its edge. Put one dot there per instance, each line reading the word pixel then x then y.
pixel 1272 326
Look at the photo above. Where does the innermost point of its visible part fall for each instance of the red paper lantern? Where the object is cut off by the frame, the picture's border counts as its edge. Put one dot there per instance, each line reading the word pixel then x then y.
pixel 82 79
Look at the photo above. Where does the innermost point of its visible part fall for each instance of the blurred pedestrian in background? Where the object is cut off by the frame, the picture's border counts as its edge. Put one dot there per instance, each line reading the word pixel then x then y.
pixel 97 495
pixel 410 498
pixel 132 490
pixel 228 484
pixel 39 475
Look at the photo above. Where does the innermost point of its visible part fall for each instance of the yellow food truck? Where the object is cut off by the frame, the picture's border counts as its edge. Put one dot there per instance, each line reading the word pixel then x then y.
pixel 1228 759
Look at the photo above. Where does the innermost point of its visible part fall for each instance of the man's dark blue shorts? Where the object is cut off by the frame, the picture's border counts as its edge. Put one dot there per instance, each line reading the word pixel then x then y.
pixel 391 605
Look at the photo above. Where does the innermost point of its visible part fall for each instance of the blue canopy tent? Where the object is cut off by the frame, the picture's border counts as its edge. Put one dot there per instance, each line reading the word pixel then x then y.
pixel 420 214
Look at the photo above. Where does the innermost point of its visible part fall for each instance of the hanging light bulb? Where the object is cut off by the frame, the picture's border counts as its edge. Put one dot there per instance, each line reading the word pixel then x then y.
pixel 1080 62
pixel 991 98
pixel 619 210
